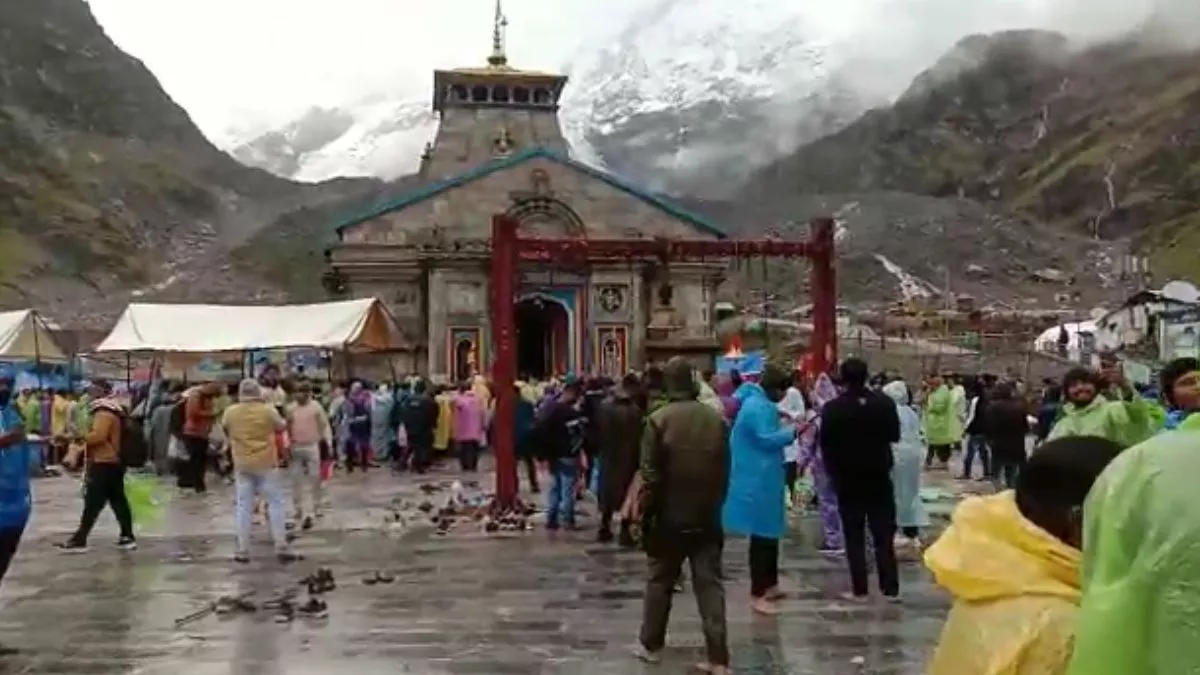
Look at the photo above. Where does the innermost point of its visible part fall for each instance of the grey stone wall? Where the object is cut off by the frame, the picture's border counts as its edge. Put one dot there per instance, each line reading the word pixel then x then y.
pixel 466 211
pixel 466 137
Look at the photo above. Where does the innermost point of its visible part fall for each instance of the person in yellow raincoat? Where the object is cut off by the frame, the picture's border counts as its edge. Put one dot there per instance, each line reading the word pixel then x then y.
pixel 445 420
pixel 1011 561
pixel 1141 562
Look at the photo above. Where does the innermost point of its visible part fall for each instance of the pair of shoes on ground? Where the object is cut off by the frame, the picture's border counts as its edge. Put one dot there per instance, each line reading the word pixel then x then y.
pixel 314 608
pixel 319 582
pixel 378 577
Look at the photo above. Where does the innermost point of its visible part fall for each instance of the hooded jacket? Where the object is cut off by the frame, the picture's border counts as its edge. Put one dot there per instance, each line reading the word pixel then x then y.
pixel 754 504
pixel 942 423
pixel 1141 562
pixel 1125 422
pixel 684 461
pixel 1016 593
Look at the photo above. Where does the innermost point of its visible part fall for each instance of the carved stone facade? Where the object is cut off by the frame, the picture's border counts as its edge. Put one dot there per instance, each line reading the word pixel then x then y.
pixel 426 254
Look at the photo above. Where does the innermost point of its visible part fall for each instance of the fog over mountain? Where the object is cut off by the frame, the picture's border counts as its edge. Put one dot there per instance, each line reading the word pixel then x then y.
pixel 684 95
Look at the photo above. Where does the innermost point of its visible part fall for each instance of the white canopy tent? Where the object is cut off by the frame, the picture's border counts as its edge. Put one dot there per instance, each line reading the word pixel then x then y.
pixel 25 336
pixel 357 325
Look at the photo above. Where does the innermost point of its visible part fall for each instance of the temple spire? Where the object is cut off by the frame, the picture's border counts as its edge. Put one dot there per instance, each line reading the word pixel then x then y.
pixel 498 58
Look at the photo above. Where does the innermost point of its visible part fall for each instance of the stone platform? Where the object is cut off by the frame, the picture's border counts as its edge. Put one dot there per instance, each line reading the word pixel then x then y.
pixel 461 604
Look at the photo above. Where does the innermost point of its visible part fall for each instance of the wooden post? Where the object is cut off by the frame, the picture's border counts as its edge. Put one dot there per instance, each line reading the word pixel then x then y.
pixel 823 286
pixel 504 359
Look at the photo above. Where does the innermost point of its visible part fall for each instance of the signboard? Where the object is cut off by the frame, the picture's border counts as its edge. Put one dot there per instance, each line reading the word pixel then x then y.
pixel 1179 334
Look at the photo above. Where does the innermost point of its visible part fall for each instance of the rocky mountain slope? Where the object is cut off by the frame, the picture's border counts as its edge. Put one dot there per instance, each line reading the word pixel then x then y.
pixel 107 189
pixel 1102 142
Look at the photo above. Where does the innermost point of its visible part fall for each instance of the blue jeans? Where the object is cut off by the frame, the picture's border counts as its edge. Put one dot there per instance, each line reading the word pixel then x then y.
pixel 977 446
pixel 268 485
pixel 560 501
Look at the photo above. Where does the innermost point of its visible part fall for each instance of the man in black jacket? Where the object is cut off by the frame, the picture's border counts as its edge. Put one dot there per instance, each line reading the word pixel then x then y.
pixel 857 431
pixel 419 412
pixel 1006 424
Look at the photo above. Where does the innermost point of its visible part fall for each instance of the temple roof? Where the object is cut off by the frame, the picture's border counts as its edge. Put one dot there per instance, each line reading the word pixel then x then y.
pixel 433 189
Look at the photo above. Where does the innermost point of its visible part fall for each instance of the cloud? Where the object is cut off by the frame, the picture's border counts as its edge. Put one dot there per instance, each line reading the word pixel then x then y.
pixel 245 65
pixel 238 63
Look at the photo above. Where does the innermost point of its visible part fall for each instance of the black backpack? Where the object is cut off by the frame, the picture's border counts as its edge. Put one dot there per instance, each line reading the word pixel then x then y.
pixel 134 451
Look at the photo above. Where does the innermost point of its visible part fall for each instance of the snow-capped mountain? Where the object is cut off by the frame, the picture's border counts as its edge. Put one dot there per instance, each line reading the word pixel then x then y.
pixel 687 96
pixel 373 137
pixel 693 94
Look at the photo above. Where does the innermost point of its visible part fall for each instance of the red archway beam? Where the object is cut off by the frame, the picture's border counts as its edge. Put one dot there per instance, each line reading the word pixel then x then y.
pixel 508 249
pixel 552 250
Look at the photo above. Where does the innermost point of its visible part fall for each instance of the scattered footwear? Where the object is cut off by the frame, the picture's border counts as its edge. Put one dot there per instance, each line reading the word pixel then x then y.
pixel 286 613
pixel 313 609
pixel 319 582
pixel 378 578
pixel 72 546
pixel 306 524
pixel 287 557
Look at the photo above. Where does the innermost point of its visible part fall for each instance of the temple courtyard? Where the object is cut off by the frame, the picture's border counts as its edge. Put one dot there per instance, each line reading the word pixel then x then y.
pixel 462 602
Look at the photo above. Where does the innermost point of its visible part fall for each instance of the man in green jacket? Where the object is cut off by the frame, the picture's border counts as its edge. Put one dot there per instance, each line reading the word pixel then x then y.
pixel 1118 414
pixel 942 426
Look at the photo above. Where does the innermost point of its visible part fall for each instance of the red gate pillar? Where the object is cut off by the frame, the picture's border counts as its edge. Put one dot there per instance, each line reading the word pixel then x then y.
pixel 504 359
pixel 823 286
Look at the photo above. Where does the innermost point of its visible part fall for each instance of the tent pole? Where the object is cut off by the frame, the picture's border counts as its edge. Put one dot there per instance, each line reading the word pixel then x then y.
pixel 37 349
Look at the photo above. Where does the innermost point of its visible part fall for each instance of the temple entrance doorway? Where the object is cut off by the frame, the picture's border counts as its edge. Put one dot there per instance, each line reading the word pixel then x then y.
pixel 541 337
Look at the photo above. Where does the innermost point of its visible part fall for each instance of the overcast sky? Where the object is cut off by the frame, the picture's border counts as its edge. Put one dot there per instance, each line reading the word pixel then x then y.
pixel 222 59
pixel 246 64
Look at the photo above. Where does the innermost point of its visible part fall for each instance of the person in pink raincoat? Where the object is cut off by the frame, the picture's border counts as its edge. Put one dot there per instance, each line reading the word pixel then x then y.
pixel 810 458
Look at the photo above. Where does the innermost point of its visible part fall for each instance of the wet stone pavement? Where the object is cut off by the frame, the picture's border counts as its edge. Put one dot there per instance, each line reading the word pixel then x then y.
pixel 461 604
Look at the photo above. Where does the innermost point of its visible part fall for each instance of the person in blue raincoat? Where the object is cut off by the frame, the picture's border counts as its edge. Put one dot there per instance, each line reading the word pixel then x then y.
pixel 16 501
pixel 754 505
pixel 907 457
pixel 383 434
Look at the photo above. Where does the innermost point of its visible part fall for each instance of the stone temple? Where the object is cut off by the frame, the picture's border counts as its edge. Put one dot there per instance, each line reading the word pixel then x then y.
pixel 499 149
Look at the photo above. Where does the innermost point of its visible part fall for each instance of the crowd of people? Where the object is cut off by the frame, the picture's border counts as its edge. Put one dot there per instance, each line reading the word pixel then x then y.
pixel 1042 571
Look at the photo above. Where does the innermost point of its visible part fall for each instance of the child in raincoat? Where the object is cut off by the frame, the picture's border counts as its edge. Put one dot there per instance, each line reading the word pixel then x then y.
pixel 907 455
pixel 1012 562
pixel 1141 601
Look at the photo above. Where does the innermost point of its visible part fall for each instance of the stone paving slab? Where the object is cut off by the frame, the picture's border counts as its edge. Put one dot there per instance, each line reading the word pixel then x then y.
pixel 460 605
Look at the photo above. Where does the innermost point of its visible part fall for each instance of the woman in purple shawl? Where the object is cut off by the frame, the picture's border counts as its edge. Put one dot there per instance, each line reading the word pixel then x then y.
pixel 810 456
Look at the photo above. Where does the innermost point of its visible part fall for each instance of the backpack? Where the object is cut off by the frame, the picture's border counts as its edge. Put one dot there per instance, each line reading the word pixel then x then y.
pixel 178 418
pixel 134 451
